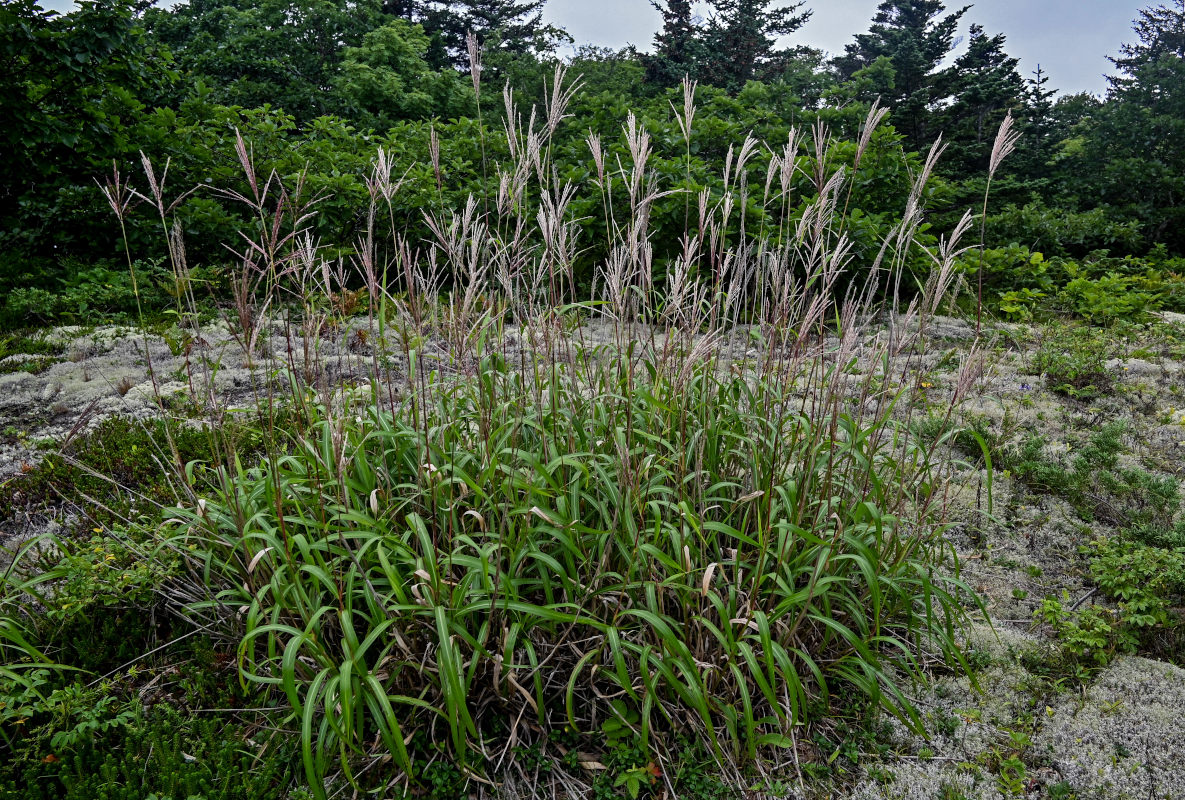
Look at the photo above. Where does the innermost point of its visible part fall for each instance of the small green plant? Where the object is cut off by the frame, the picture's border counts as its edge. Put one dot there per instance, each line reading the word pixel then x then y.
pixel 949 791
pixel 622 728
pixel 635 778
pixel 1073 362
pixel 1019 304
pixel 32 353
pixel 1062 790
pixel 1012 776
pixel 67 717
pixel 1090 634
pixel 104 571
pixel 1147 582
pixel 1091 479
pixel 160 754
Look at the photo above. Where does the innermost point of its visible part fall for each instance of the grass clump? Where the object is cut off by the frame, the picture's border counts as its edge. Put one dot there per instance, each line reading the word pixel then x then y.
pixel 712 551
pixel 681 515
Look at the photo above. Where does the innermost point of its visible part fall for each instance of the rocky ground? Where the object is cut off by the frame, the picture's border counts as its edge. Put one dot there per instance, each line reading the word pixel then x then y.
pixel 1037 724
pixel 1031 729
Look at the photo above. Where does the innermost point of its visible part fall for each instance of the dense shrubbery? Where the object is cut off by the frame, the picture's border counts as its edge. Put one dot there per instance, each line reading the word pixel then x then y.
pixel 1020 282
pixel 384 79
pixel 330 162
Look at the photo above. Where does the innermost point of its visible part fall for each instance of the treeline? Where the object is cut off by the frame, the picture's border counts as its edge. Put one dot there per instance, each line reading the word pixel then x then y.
pixel 316 86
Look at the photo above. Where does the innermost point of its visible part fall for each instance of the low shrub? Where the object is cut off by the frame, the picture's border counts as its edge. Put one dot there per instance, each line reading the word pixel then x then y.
pixel 1062 232
pixel 1142 569
pixel 158 754
pixel 1022 283
pixel 79 292
pixel 122 469
pixel 1148 587
pixel 1073 361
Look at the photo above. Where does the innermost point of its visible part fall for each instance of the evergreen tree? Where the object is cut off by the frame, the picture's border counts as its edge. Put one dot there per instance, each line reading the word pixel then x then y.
pixel 915 38
pixel 1040 126
pixel 1135 155
pixel 986 86
pixel 678 46
pixel 509 26
pixel 741 38
pixel 409 10
pixel 1161 33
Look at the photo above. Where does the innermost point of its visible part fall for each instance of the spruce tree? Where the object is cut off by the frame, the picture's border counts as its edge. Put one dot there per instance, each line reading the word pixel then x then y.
pixel 1040 126
pixel 1161 33
pixel 741 38
pixel 1135 155
pixel 678 46
pixel 514 26
pixel 985 85
pixel 915 37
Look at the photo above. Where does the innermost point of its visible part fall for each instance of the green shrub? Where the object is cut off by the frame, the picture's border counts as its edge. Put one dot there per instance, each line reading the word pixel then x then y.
pixel 1107 298
pixel 1147 582
pixel 65 718
pixel 122 469
pixel 1148 586
pixel 1020 304
pixel 1073 362
pixel 1062 232
pixel 161 754
pixel 1023 283
pixel 104 291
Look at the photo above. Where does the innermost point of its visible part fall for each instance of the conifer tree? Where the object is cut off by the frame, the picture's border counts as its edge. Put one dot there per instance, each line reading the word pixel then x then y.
pixel 985 85
pixel 1135 155
pixel 678 46
pixel 515 26
pixel 742 37
pixel 915 37
pixel 1040 125
pixel 1161 33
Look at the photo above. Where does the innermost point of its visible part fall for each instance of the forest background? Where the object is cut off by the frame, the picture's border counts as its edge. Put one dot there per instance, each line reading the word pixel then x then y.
pixel 1088 216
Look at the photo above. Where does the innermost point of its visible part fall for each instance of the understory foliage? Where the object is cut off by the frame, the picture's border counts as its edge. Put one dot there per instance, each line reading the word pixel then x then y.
pixel 1141 568
pixel 682 507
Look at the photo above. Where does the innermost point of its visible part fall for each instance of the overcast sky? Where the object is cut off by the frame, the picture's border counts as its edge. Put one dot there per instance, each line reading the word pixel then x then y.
pixel 1070 39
